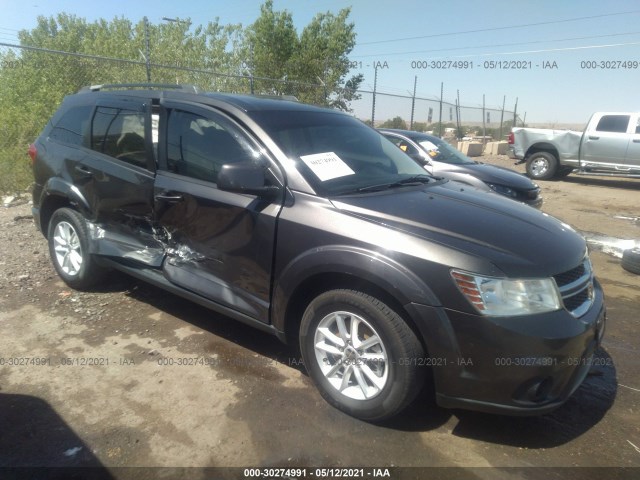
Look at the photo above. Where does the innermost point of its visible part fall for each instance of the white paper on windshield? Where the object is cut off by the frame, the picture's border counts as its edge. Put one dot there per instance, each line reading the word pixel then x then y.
pixel 327 165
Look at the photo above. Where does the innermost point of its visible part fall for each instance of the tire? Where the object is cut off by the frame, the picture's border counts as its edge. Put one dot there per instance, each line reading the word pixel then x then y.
pixel 563 172
pixel 374 382
pixel 69 249
pixel 542 166
pixel 631 260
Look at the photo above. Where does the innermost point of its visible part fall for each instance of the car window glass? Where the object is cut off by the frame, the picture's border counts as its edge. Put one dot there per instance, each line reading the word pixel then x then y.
pixel 119 133
pixel 613 123
pixel 442 151
pixel 336 153
pixel 403 145
pixel 638 125
pixel 198 147
pixel 73 126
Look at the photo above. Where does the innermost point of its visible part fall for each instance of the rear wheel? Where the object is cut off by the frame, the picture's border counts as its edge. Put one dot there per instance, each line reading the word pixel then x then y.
pixel 69 249
pixel 362 355
pixel 542 166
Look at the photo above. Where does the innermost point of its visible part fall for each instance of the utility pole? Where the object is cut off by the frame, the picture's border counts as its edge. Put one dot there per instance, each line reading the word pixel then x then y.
pixel 373 107
pixel 413 101
pixel 440 119
pixel 504 99
pixel 147 57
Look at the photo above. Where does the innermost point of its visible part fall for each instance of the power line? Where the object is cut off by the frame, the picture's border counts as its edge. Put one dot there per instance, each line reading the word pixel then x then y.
pixel 611 45
pixel 493 29
pixel 496 45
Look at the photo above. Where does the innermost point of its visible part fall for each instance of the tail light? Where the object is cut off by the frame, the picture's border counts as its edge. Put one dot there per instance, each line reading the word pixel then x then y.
pixel 33 151
pixel 512 139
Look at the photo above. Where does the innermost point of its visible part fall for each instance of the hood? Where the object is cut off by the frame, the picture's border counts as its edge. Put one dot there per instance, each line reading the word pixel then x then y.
pixel 488 174
pixel 518 240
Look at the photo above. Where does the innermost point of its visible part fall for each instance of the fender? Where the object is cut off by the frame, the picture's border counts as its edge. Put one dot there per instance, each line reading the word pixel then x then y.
pixel 373 267
pixel 56 186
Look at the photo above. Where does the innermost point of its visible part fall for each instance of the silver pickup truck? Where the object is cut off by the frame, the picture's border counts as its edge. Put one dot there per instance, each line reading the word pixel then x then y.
pixel 609 145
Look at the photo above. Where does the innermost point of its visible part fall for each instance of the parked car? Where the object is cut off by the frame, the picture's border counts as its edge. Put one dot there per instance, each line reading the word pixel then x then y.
pixel 441 159
pixel 307 224
pixel 608 146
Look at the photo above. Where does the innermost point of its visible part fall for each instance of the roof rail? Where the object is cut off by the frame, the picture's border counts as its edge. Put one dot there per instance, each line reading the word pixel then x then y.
pixel 149 86
pixel 291 98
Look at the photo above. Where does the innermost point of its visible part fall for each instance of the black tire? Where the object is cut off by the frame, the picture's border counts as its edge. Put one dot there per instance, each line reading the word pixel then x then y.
pixel 563 172
pixel 542 166
pixel 376 381
pixel 69 250
pixel 631 260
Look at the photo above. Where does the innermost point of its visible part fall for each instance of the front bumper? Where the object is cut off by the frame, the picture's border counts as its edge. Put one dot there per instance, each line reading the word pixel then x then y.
pixel 515 366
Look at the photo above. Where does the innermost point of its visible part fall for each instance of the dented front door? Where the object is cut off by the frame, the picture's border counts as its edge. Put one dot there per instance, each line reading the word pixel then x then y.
pixel 218 244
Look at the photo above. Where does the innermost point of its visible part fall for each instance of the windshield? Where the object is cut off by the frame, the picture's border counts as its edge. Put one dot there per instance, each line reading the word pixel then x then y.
pixel 338 154
pixel 441 151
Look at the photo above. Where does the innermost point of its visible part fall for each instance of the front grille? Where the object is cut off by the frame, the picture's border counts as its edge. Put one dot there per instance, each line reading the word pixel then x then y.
pixel 576 288
pixel 572 275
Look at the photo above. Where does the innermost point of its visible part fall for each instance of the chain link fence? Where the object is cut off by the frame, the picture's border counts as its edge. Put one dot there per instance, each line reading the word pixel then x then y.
pixel 33 82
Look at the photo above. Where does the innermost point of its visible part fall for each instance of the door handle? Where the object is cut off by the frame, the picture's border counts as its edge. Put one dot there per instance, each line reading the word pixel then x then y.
pixel 636 140
pixel 169 198
pixel 84 171
pixel 593 137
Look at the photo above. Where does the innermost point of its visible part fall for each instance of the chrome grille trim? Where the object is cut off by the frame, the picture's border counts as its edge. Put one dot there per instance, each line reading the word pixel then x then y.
pixel 574 285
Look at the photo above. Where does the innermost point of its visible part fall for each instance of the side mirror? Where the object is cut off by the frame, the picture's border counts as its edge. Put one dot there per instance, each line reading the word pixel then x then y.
pixel 245 177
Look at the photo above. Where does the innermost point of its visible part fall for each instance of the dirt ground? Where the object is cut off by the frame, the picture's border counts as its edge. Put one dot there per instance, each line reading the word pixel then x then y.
pixel 129 376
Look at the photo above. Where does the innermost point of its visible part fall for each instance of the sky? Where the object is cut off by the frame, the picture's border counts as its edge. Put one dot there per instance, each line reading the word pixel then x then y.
pixel 549 47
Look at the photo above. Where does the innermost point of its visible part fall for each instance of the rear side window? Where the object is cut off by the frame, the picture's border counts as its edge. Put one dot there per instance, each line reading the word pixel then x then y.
pixel 119 133
pixel 613 123
pixel 73 126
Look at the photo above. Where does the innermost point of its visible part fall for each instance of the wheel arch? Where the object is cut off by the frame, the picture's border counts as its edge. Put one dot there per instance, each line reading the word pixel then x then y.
pixel 542 147
pixel 59 194
pixel 336 267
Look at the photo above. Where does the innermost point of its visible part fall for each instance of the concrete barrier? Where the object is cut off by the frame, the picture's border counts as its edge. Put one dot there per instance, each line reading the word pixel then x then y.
pixel 470 149
pixel 496 148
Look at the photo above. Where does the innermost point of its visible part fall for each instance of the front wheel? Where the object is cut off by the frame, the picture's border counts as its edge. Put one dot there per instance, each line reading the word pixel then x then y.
pixel 362 356
pixel 542 166
pixel 69 249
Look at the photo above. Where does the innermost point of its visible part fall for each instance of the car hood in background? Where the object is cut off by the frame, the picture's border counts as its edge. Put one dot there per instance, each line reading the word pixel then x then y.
pixel 487 173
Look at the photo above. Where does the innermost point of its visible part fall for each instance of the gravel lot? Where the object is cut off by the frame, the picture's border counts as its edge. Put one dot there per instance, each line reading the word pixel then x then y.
pixel 94 384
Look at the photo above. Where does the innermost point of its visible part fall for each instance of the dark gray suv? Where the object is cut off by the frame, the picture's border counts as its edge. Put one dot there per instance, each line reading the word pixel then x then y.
pixel 305 223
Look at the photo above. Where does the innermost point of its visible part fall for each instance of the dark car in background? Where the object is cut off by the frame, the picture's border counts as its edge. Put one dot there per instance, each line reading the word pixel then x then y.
pixel 441 159
pixel 307 224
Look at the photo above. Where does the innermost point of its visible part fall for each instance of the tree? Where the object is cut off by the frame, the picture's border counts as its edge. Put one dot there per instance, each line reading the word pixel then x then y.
pixel 396 122
pixel 316 63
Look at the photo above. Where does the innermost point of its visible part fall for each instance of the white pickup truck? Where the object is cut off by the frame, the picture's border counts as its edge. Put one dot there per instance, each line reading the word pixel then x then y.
pixel 609 145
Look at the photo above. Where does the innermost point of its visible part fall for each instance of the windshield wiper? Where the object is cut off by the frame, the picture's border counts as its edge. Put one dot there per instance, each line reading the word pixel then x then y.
pixel 413 180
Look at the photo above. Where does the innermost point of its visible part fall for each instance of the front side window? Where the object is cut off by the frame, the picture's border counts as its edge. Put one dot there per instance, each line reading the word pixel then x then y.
pixel 198 147
pixel 613 123
pixel 119 133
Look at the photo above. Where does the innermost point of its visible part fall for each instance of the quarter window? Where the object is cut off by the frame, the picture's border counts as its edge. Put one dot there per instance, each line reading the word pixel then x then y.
pixel 73 126
pixel 119 133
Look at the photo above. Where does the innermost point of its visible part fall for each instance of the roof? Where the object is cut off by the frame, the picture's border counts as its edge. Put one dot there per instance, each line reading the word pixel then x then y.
pixel 243 102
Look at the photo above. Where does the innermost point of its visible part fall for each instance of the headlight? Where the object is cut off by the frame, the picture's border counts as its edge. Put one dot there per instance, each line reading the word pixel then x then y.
pixel 508 297
pixel 502 190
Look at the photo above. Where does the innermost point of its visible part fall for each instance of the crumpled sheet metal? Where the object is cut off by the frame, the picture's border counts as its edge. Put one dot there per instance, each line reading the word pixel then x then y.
pixel 567 142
